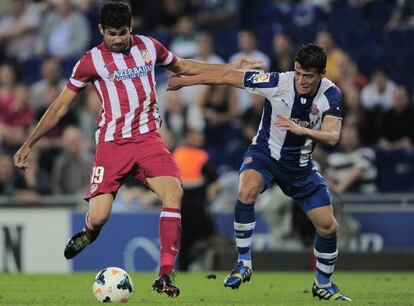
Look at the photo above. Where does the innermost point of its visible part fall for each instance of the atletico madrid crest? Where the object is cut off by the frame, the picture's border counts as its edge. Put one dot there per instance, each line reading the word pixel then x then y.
pixel 146 56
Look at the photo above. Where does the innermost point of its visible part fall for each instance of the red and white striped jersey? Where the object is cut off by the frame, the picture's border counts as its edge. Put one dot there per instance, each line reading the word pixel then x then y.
pixel 125 84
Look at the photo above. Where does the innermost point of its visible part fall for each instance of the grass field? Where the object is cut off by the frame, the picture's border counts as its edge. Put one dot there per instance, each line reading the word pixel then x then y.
pixel 273 288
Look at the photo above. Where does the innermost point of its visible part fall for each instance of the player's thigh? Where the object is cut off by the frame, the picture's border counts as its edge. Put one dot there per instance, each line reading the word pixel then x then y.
pixel 100 208
pixel 113 161
pixel 323 219
pixel 168 189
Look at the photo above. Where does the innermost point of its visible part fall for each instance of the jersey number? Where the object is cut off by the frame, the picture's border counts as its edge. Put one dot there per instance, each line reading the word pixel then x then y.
pixel 97 175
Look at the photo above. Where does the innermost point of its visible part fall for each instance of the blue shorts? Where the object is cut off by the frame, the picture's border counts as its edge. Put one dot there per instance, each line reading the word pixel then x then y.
pixel 308 189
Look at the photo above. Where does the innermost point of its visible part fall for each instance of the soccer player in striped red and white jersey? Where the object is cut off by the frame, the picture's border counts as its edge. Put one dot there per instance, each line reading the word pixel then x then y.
pixel 122 70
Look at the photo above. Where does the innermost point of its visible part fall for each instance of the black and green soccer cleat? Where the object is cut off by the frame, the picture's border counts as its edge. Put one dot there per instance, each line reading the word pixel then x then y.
pixel 76 244
pixel 331 293
pixel 240 274
pixel 165 284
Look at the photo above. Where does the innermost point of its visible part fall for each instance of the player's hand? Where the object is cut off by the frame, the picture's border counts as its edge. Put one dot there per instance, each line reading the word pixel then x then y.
pixel 244 63
pixel 175 82
pixel 287 125
pixel 21 157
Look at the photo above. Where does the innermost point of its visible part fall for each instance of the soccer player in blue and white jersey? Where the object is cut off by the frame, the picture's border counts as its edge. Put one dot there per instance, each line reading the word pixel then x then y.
pixel 301 107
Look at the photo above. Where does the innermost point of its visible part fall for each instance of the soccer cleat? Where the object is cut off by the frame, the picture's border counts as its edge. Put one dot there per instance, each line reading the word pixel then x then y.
pixel 331 293
pixel 76 244
pixel 165 284
pixel 240 274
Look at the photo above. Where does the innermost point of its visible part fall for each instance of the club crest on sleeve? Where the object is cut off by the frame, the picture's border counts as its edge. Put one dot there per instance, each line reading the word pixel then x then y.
pixel 261 78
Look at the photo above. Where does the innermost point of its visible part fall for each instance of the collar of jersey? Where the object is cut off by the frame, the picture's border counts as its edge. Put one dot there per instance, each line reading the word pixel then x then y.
pixel 310 98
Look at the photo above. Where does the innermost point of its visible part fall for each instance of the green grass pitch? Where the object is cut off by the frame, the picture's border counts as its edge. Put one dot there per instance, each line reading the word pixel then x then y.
pixel 271 288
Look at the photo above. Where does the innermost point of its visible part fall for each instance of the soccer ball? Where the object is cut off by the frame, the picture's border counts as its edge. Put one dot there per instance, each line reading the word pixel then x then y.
pixel 112 285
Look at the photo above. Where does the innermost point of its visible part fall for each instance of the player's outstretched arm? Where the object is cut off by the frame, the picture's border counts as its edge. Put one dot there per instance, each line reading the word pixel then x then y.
pixel 194 67
pixel 228 77
pixel 50 118
pixel 329 133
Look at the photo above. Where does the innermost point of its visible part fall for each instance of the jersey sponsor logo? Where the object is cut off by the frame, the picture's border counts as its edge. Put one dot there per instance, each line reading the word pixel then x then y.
pixel 261 78
pixel 305 124
pixel 130 73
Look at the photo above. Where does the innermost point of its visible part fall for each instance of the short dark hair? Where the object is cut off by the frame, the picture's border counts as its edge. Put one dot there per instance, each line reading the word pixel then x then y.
pixel 115 14
pixel 311 56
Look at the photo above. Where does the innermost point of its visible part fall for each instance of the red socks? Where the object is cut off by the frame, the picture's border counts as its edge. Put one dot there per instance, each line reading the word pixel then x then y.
pixel 92 231
pixel 170 234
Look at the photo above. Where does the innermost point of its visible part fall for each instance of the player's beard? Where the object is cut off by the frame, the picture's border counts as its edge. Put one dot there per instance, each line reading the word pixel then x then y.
pixel 119 47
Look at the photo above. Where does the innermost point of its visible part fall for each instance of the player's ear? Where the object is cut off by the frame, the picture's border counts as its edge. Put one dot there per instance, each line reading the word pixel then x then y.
pixel 323 73
pixel 101 29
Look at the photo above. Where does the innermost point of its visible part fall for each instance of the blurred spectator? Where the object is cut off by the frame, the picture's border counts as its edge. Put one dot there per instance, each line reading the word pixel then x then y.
pixel 184 42
pixel 367 125
pixel 205 52
pixel 219 111
pixel 36 178
pixel 213 14
pixel 353 168
pixel 283 53
pixel 178 117
pixel 159 15
pixel 349 74
pixel 403 15
pixel 379 91
pixel 325 40
pixel 46 90
pixel 247 46
pixel 72 167
pixel 65 32
pixel 397 123
pixel 18 28
pixel 199 178
pixel 15 113
pixel 13 183
pixel 247 43
pixel 133 196
pixel 88 114
pixel 250 119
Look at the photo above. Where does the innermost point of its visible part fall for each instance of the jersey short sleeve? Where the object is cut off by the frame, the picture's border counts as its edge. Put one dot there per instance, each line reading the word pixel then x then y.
pixel 261 83
pixel 83 72
pixel 164 56
pixel 334 97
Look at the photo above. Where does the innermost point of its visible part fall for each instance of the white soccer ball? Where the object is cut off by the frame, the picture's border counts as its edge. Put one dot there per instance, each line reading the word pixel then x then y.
pixel 112 285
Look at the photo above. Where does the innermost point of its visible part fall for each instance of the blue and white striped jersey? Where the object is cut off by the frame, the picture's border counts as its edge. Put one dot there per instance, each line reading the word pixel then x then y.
pixel 293 152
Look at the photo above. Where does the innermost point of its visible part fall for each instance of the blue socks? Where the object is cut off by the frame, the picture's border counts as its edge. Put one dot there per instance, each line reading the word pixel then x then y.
pixel 244 224
pixel 326 253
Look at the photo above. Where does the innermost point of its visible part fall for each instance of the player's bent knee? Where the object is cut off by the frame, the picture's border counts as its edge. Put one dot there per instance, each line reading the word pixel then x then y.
pixel 329 229
pixel 248 193
pixel 98 219
pixel 173 197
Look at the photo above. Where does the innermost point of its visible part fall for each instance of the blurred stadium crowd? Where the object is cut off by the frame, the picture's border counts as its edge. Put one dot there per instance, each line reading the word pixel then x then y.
pixel 370 47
